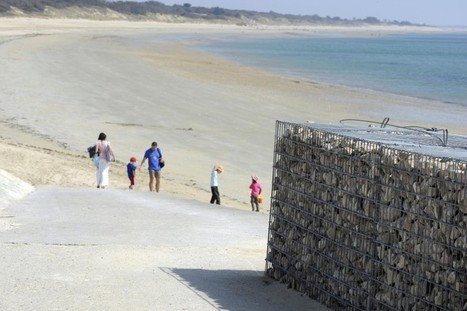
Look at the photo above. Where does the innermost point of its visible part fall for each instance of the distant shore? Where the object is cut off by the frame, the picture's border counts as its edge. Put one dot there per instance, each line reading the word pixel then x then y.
pixel 26 24
pixel 65 80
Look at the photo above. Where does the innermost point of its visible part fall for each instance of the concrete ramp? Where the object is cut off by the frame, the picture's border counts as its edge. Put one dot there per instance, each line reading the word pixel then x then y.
pixel 94 249
pixel 12 188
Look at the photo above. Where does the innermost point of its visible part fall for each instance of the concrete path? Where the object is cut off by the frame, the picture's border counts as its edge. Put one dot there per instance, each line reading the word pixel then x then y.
pixel 91 249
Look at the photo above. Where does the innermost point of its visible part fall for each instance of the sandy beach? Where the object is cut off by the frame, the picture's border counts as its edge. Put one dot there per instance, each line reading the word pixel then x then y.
pixel 62 82
pixel 68 245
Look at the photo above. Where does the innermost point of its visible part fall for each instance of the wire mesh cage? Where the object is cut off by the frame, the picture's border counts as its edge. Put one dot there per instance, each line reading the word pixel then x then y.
pixel 369 218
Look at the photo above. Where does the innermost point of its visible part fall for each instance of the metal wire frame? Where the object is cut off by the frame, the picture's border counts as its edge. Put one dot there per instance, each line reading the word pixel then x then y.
pixel 318 270
pixel 310 151
pixel 353 231
pixel 419 129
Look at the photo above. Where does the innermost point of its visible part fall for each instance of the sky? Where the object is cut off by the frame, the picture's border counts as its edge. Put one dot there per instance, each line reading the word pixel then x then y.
pixel 430 12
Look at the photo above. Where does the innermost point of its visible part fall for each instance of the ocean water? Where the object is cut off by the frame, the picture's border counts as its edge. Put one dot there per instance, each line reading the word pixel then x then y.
pixel 429 66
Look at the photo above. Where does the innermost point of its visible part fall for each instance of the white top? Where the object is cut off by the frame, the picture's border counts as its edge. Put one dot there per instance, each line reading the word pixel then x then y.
pixel 214 177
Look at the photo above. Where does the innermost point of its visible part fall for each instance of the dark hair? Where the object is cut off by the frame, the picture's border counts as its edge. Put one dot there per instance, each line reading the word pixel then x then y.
pixel 102 136
pixel 154 144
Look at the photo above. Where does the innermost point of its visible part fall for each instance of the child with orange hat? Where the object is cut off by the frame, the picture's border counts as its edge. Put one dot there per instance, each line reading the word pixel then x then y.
pixel 131 171
pixel 215 196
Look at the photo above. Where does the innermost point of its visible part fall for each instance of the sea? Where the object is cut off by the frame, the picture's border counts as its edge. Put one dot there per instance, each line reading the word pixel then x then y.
pixel 429 66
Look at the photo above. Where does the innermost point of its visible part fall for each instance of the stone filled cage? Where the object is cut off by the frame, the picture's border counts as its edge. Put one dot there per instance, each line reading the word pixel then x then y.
pixel 369 218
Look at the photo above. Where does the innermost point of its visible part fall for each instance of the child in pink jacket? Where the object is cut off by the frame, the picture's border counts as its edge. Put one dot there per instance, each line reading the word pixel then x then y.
pixel 256 189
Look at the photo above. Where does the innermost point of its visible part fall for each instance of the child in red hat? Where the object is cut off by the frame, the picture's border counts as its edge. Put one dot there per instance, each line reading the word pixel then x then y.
pixel 131 171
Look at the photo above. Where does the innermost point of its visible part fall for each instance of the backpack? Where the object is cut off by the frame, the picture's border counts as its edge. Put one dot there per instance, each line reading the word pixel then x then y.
pixel 161 164
pixel 92 151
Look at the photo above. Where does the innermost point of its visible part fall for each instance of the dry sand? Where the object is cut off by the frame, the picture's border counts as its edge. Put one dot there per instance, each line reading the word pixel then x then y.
pixel 62 82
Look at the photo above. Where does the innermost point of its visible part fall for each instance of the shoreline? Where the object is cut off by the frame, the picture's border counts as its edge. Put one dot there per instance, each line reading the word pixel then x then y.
pixel 206 47
pixel 201 109
pixel 293 82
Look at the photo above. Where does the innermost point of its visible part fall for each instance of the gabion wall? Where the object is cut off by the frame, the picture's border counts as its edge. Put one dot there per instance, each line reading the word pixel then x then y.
pixel 361 225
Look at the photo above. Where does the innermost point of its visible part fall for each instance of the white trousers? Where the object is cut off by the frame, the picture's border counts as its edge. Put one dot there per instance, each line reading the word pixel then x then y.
pixel 102 175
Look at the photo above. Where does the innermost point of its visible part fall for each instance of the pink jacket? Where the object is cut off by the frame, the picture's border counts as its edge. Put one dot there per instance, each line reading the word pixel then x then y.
pixel 255 189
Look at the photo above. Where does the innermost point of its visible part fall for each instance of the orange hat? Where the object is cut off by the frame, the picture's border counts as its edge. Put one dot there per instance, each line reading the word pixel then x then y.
pixel 132 159
pixel 220 168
